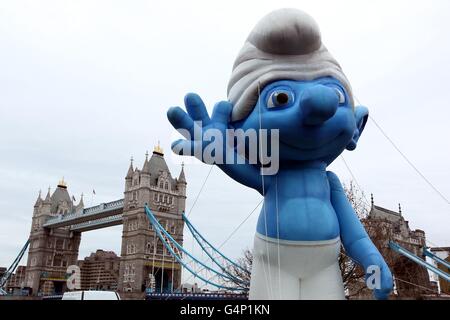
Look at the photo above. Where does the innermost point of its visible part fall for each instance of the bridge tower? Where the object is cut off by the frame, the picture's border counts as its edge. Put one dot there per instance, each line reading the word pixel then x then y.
pixel 145 263
pixel 51 251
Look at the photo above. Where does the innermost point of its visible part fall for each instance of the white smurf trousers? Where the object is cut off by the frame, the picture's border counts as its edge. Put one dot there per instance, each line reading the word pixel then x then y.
pixel 296 270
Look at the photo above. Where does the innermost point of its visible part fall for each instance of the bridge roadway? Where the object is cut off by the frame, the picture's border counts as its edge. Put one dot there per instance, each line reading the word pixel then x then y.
pixel 100 216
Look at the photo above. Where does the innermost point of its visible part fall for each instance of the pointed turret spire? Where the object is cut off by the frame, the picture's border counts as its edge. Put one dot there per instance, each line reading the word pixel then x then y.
pixel 81 203
pixel 130 169
pixel 182 177
pixel 399 208
pixel 146 167
pixel 39 199
pixel 47 198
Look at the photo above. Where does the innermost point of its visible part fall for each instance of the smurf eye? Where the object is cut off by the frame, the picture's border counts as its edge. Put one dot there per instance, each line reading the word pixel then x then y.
pixel 341 95
pixel 280 98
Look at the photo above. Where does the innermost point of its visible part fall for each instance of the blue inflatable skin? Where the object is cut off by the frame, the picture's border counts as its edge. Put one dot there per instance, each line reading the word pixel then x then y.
pixel 303 201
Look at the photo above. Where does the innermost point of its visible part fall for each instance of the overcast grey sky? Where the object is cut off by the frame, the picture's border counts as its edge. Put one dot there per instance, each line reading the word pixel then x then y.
pixel 84 85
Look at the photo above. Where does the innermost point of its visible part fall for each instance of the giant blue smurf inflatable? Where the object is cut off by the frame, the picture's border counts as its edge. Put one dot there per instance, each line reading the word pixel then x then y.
pixel 285 83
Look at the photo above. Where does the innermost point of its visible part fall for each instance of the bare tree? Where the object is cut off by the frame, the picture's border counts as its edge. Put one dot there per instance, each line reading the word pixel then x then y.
pixel 352 274
pixel 357 199
pixel 241 272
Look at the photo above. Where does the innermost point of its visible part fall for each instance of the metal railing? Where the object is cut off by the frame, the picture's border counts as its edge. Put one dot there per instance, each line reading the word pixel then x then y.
pixel 96 222
pixel 87 212
pixel 399 249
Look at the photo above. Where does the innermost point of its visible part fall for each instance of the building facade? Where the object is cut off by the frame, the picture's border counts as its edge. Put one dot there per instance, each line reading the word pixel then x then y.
pixel 16 283
pixel 145 262
pixel 100 271
pixel 411 280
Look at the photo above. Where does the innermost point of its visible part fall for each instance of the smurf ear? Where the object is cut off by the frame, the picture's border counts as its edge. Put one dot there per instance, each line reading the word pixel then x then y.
pixel 361 117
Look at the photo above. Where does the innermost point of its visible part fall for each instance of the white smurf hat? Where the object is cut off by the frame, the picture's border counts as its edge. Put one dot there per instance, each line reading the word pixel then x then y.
pixel 285 45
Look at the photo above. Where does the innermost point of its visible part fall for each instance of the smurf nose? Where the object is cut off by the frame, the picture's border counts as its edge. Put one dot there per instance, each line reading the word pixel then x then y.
pixel 318 104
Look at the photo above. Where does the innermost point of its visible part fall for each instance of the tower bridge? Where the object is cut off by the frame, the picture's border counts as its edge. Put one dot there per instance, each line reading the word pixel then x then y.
pixel 58 224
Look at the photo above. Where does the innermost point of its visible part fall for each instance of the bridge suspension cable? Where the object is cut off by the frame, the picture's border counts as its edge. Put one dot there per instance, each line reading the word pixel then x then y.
pixel 177 251
pixel 399 249
pixel 205 245
pixel 12 268
pixel 437 259
pixel 234 231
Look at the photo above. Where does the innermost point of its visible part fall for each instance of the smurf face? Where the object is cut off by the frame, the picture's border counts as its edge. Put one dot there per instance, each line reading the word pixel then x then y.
pixel 315 119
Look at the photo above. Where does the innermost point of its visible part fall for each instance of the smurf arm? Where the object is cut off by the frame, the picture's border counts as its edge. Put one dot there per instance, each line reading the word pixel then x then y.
pixel 247 174
pixel 355 239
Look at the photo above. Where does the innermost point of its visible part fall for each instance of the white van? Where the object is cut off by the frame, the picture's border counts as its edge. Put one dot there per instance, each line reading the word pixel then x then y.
pixel 91 295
